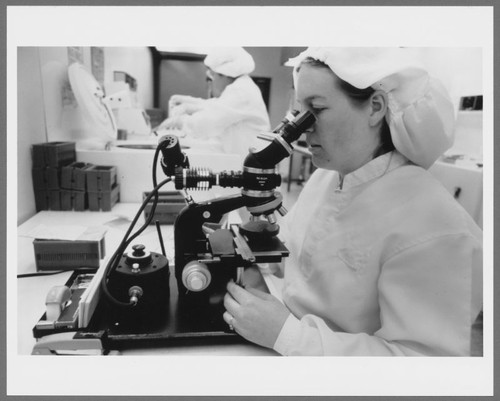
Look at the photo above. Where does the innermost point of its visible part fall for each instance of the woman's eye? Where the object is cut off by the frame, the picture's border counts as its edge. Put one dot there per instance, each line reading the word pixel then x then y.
pixel 317 110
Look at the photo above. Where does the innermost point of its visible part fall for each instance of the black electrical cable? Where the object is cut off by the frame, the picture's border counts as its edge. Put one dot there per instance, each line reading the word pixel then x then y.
pixel 51 273
pixel 126 241
pixel 160 237
pixel 26 275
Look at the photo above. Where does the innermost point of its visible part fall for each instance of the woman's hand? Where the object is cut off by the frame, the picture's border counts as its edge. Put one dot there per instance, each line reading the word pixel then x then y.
pixel 172 123
pixel 176 100
pixel 186 108
pixel 255 315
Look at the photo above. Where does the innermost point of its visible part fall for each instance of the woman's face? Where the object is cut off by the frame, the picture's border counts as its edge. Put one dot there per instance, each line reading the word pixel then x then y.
pixel 341 139
pixel 216 83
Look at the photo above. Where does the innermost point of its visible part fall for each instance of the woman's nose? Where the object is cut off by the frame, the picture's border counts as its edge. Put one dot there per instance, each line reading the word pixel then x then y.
pixel 308 134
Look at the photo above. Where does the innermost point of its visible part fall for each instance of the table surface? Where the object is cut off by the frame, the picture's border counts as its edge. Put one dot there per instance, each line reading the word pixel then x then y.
pixel 31 291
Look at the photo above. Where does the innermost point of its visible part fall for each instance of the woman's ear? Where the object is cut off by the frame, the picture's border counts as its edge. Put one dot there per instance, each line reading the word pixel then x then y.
pixel 378 107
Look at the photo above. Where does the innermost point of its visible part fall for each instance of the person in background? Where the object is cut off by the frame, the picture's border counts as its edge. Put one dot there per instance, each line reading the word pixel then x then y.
pixel 235 113
pixel 383 260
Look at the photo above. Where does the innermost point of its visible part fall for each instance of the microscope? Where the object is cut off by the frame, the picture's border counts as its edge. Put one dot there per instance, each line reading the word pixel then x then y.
pixel 141 295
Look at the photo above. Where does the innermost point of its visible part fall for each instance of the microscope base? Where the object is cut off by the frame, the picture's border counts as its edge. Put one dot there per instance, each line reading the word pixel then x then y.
pixel 181 322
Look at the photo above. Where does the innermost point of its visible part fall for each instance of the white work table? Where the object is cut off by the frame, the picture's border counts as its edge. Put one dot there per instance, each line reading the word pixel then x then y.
pixel 32 291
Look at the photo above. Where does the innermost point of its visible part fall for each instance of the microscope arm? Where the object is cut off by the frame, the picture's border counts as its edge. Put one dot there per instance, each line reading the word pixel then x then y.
pixel 189 238
pixel 227 246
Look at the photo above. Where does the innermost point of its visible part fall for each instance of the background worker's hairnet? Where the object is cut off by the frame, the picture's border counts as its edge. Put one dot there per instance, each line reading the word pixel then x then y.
pixel 420 113
pixel 230 61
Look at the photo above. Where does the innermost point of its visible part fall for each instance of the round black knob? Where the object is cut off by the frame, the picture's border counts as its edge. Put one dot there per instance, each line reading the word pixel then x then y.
pixel 138 250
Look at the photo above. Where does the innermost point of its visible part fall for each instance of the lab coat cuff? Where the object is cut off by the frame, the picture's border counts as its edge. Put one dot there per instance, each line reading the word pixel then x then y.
pixel 288 336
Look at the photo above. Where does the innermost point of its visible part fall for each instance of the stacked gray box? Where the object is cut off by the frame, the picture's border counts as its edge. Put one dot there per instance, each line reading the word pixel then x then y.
pixel 102 187
pixel 169 205
pixel 48 160
pixel 74 187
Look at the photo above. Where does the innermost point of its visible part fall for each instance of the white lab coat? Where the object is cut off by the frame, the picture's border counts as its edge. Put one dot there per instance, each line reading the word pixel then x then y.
pixel 231 122
pixel 390 264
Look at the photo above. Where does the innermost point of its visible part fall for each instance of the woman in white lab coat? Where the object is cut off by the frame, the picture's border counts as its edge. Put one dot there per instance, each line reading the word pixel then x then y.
pixel 383 261
pixel 230 120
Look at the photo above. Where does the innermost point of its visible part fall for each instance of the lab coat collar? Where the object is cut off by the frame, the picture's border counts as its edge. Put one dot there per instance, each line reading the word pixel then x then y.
pixel 376 168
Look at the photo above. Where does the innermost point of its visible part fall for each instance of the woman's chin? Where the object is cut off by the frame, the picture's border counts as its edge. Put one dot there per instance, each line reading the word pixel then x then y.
pixel 317 160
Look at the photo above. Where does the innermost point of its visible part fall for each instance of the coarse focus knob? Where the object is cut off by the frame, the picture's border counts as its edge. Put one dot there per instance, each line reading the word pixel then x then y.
pixel 196 276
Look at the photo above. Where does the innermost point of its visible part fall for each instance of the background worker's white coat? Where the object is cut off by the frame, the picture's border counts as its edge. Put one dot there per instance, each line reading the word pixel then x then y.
pixel 231 122
pixel 391 263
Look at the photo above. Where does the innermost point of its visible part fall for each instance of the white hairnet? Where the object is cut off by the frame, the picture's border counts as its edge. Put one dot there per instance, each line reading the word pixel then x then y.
pixel 230 61
pixel 420 113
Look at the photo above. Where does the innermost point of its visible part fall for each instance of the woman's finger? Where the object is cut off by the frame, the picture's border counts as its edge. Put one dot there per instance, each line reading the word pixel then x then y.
pixel 240 294
pixel 229 319
pixel 260 294
pixel 230 304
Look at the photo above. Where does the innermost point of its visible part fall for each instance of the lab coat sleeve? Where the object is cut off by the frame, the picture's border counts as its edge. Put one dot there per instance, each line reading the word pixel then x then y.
pixel 213 117
pixel 428 299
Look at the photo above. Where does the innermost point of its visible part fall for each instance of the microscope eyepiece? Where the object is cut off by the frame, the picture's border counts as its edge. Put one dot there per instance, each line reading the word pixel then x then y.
pixel 295 128
pixel 286 120
pixel 281 146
